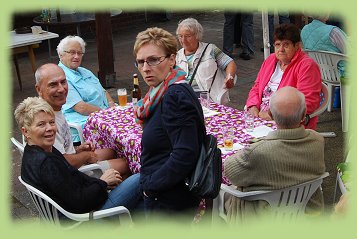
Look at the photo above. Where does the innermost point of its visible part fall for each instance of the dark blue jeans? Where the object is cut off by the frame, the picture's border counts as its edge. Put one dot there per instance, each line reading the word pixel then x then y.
pixel 127 194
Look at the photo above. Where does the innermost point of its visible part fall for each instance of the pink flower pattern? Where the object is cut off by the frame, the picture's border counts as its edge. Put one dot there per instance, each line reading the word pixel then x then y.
pixel 116 128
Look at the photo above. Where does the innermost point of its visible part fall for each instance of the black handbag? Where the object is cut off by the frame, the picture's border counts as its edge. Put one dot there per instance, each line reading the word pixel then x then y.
pixel 205 180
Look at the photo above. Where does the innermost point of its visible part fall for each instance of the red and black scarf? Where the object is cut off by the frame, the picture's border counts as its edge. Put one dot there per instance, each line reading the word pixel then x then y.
pixel 146 105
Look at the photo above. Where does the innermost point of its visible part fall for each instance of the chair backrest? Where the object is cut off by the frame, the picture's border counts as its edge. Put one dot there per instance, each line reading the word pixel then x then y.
pixel 19 146
pixel 79 130
pixel 323 103
pixel 328 64
pixel 286 203
pixel 49 210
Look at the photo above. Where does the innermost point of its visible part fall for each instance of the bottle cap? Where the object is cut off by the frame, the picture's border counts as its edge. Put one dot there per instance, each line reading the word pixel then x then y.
pixel 135 75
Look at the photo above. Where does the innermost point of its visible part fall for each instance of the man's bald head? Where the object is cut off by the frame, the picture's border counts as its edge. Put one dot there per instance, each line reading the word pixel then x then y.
pixel 51 85
pixel 288 107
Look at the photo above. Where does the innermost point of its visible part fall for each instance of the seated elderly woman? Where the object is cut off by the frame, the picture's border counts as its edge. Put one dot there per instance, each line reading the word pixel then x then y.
pixel 207 69
pixel 288 66
pixel 85 93
pixel 45 168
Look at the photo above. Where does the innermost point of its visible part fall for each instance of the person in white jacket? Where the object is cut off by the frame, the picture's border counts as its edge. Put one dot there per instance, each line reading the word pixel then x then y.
pixel 216 72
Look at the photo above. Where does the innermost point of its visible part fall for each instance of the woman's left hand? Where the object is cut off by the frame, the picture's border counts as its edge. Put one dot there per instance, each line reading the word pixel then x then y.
pixel 265 115
pixel 112 178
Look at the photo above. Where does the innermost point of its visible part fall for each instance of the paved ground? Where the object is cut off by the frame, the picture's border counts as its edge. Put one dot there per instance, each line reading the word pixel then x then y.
pixel 212 21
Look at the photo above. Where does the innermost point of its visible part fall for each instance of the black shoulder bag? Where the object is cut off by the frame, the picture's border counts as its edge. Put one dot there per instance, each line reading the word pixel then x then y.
pixel 205 180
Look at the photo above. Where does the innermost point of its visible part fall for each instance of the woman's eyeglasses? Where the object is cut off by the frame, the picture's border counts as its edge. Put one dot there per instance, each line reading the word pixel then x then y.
pixel 184 36
pixel 151 61
pixel 72 53
pixel 285 45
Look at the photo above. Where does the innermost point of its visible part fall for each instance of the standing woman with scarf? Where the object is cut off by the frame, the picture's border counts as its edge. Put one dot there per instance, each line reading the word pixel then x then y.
pixel 172 129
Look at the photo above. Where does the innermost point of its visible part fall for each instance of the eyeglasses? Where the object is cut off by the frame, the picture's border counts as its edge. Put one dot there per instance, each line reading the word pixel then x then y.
pixel 184 36
pixel 72 53
pixel 151 61
pixel 285 45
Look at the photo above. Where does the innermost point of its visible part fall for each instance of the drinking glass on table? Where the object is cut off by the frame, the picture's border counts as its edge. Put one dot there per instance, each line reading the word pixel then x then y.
pixel 228 136
pixel 204 99
pixel 122 97
pixel 249 121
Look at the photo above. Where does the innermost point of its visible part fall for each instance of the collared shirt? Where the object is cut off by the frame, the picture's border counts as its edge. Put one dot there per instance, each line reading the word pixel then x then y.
pixel 84 86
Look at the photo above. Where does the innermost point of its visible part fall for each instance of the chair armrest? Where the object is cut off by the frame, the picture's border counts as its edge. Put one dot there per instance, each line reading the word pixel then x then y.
pixel 110 212
pixel 20 147
pixel 122 212
pixel 239 194
pixel 90 167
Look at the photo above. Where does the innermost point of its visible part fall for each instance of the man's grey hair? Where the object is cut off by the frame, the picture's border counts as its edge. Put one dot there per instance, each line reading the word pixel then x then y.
pixel 62 46
pixel 193 26
pixel 39 72
pixel 290 120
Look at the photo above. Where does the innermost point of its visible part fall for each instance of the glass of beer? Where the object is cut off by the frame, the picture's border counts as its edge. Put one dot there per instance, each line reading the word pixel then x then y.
pixel 228 136
pixel 122 97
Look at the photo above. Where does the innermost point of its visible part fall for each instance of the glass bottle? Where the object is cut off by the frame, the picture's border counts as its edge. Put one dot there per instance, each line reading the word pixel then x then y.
pixel 136 93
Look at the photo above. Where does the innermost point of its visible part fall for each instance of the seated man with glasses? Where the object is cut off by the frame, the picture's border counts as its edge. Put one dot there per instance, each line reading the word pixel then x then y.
pixel 85 93
pixel 288 66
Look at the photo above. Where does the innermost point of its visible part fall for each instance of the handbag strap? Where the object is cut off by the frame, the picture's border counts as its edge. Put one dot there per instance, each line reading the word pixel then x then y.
pixel 194 100
pixel 198 63
pixel 214 77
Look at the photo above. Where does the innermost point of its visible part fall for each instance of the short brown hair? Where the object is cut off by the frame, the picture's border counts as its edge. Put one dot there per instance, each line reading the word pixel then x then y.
pixel 287 31
pixel 158 37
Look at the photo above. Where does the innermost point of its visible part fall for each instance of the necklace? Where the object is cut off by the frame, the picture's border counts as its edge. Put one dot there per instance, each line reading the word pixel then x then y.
pixel 283 66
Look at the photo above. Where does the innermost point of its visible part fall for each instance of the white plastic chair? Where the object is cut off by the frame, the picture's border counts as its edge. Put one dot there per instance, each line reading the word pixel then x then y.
pixel 323 102
pixel 328 66
pixel 286 203
pixel 327 62
pixel 49 210
pixel 79 130
pixel 322 108
pixel 19 146
pixel 85 168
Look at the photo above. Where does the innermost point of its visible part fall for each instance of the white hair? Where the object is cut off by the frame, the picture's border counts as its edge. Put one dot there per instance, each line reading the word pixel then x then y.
pixel 193 26
pixel 64 42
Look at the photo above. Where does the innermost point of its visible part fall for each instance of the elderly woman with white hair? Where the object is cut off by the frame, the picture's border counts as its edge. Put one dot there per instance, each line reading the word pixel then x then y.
pixel 85 93
pixel 216 71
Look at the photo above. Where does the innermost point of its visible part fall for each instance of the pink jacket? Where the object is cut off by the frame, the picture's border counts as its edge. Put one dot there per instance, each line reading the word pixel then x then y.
pixel 302 73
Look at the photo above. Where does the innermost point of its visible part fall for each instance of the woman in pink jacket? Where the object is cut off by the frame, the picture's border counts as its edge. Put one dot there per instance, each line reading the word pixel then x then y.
pixel 288 66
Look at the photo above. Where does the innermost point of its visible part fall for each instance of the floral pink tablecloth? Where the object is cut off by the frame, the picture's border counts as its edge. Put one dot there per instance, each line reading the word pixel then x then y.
pixel 116 128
